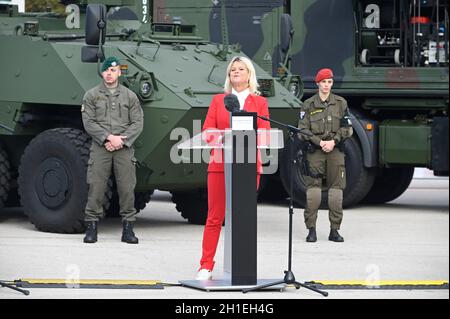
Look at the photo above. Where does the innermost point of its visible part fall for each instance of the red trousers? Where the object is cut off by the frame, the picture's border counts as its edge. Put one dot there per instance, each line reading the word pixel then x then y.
pixel 216 216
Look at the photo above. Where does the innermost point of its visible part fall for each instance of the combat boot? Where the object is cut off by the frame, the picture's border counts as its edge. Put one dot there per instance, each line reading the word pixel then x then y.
pixel 334 236
pixel 128 234
pixel 91 233
pixel 312 236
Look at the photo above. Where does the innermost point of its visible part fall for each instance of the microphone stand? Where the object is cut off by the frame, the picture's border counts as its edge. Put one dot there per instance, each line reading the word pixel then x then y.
pixel 289 278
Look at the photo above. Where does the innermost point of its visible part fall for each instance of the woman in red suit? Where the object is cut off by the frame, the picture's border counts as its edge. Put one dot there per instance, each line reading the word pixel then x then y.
pixel 240 81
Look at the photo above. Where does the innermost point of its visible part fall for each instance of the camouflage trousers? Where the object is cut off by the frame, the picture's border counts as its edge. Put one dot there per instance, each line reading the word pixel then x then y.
pixel 332 167
pixel 101 164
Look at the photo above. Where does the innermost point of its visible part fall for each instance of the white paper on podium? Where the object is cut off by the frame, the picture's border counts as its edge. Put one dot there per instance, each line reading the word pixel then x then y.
pixel 242 123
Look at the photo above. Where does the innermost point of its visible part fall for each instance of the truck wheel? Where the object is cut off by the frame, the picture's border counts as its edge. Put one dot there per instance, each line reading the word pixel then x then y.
pixel 52 180
pixel 192 205
pixel 141 199
pixel 359 178
pixel 13 199
pixel 5 177
pixel 388 186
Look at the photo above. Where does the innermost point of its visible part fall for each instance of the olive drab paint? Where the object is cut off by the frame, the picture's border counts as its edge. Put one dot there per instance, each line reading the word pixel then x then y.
pixel 169 66
pixel 397 92
pixel 390 60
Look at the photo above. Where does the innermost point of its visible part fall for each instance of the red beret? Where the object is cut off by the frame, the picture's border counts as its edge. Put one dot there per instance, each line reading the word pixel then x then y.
pixel 323 75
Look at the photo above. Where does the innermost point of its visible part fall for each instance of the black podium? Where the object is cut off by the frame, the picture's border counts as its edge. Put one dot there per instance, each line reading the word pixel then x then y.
pixel 240 152
pixel 240 145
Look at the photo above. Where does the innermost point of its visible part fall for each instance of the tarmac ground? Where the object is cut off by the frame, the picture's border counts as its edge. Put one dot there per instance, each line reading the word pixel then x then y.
pixel 406 240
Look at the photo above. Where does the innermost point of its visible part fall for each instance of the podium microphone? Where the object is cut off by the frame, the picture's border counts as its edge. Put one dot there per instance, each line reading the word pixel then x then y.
pixel 232 105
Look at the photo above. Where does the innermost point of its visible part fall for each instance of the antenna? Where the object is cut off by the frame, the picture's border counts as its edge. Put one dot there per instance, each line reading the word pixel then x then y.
pixel 225 41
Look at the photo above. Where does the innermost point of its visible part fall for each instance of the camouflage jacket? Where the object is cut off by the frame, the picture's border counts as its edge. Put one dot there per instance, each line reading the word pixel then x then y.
pixel 326 120
pixel 117 113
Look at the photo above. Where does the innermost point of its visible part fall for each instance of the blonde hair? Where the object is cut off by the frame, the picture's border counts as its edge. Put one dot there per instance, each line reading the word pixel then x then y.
pixel 252 82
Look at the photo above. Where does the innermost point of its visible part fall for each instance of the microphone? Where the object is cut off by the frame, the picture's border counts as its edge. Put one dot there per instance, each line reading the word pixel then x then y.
pixel 231 103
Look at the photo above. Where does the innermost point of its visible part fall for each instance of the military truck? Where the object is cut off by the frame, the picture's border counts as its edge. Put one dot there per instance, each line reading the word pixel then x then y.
pixel 50 60
pixel 390 59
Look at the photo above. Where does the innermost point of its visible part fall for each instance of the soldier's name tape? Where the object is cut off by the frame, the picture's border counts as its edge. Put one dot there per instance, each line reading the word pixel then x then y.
pixel 316 111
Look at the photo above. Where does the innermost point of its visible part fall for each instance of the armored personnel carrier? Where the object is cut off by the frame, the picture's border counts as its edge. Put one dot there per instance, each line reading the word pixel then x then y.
pixel 46 70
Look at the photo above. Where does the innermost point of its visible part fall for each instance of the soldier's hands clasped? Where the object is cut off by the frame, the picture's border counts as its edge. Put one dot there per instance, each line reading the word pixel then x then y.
pixel 327 146
pixel 115 142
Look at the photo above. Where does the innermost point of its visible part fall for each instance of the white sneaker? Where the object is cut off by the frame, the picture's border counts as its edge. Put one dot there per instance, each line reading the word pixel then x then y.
pixel 204 274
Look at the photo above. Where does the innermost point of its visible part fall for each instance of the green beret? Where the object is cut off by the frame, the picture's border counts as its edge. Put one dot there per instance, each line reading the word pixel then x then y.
pixel 109 62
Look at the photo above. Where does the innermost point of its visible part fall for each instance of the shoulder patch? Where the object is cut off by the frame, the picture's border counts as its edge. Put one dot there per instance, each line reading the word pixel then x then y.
pixel 302 115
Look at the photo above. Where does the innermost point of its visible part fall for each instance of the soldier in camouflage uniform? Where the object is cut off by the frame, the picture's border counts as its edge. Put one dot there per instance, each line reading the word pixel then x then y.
pixel 325 115
pixel 113 117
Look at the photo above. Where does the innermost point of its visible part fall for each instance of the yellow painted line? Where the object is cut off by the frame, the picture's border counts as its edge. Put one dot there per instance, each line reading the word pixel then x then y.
pixel 91 281
pixel 320 282
pixel 382 282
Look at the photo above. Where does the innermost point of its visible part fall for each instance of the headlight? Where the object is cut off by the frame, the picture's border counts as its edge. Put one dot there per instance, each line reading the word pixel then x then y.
pixel 294 88
pixel 146 89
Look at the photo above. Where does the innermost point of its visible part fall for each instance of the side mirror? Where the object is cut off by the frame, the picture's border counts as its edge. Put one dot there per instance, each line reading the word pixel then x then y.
pixel 95 24
pixel 286 33
pixel 95 34
pixel 92 54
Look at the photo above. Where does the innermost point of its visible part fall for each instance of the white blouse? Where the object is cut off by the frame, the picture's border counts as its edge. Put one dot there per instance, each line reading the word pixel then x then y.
pixel 242 96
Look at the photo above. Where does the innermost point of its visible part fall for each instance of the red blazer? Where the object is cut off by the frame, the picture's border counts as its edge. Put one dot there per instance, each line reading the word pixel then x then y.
pixel 219 118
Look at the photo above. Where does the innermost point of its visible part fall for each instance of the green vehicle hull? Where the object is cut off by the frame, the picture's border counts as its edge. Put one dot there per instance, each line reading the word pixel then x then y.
pixel 43 83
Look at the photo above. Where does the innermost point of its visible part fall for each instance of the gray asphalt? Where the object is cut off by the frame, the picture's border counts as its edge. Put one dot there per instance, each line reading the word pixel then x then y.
pixel 407 239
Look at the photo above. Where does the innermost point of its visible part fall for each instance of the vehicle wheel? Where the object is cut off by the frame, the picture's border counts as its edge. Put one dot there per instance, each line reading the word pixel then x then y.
pixel 111 201
pixel 13 199
pixel 271 188
pixel 5 177
pixel 359 178
pixel 141 199
pixel 192 205
pixel 52 180
pixel 388 186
